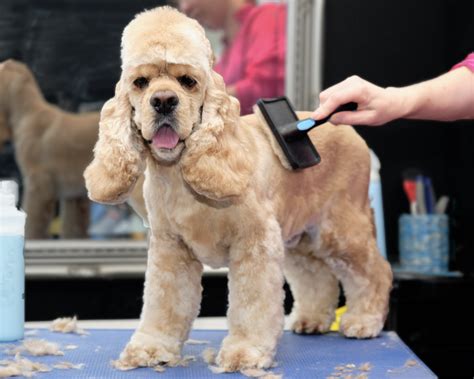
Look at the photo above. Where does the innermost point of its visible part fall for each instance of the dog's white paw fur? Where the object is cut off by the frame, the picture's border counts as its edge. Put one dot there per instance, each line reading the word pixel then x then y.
pixel 238 354
pixel 310 324
pixel 148 350
pixel 361 325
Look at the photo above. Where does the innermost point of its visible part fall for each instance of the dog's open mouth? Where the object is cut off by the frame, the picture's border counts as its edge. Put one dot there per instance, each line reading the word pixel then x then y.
pixel 165 138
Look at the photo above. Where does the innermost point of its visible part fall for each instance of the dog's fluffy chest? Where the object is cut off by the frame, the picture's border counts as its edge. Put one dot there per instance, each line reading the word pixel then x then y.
pixel 204 228
pixel 204 232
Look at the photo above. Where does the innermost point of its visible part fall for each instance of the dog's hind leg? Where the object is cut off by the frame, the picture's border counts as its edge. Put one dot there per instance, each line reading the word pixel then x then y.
pixel 348 246
pixel 39 203
pixel 75 217
pixel 315 289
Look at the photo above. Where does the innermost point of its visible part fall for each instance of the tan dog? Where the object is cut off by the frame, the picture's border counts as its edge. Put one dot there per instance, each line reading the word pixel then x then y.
pixel 52 149
pixel 217 192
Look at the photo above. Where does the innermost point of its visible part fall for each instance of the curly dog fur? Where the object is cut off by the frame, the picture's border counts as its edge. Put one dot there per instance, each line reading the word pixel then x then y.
pixel 52 149
pixel 218 194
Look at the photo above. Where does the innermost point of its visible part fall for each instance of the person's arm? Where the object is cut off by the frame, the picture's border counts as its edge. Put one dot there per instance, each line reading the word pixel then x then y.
pixel 445 98
pixel 449 97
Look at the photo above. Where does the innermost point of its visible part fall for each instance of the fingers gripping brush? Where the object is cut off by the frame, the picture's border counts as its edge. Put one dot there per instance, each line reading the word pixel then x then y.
pixel 292 133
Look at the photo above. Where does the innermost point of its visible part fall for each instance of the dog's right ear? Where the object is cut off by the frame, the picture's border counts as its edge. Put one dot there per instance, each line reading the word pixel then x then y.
pixel 119 154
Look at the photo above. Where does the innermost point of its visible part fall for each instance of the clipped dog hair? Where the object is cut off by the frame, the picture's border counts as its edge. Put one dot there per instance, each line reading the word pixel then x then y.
pixel 218 191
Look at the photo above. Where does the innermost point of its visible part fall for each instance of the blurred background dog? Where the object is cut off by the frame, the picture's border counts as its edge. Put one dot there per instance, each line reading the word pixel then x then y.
pixel 52 148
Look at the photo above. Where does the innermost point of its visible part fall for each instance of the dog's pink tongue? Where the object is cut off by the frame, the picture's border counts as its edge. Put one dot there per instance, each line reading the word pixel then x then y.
pixel 166 138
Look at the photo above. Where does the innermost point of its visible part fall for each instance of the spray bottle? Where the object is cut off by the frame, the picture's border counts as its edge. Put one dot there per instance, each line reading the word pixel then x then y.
pixel 375 196
pixel 12 265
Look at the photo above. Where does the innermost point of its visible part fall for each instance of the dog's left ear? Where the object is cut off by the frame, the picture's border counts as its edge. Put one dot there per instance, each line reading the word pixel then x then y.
pixel 217 162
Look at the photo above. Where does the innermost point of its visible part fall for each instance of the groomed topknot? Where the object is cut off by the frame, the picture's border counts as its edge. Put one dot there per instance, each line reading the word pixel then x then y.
pixel 164 33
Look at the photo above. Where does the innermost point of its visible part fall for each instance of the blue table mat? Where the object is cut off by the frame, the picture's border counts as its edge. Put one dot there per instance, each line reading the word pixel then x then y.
pixel 312 356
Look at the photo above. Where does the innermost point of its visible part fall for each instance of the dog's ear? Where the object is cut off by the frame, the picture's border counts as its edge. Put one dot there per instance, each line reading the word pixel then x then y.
pixel 118 154
pixel 217 162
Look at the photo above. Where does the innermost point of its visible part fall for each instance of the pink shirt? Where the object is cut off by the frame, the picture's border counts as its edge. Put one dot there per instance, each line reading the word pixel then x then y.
pixel 254 62
pixel 468 62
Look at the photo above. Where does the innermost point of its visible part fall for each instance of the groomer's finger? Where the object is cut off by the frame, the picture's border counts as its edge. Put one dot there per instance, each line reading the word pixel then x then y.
pixel 351 81
pixel 353 88
pixel 342 96
pixel 365 117
pixel 326 94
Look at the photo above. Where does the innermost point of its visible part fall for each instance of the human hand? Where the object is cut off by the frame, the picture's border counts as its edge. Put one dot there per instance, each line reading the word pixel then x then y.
pixel 376 105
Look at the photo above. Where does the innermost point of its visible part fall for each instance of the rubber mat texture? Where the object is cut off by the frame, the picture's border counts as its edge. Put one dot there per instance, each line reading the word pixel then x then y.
pixel 314 356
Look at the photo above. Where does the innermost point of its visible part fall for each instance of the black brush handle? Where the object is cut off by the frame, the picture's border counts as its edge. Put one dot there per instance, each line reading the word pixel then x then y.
pixel 348 107
pixel 291 131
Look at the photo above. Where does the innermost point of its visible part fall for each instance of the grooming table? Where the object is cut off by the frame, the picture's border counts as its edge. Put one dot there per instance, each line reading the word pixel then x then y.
pixel 314 356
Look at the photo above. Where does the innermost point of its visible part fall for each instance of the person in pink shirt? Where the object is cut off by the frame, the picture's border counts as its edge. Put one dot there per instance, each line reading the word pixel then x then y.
pixel 448 97
pixel 253 60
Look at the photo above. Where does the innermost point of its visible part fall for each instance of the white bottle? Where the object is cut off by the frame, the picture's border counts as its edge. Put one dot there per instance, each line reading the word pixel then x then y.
pixel 12 265
pixel 375 196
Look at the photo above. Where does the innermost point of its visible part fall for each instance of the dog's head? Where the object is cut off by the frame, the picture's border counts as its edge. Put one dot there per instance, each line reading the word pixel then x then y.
pixel 167 83
pixel 166 100
pixel 170 97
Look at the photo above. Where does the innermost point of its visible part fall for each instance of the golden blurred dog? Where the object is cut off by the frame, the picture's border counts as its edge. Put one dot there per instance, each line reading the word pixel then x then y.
pixel 52 149
pixel 218 192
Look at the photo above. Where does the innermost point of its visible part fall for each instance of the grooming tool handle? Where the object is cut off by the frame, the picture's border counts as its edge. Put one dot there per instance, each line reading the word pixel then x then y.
pixel 348 107
pixel 292 131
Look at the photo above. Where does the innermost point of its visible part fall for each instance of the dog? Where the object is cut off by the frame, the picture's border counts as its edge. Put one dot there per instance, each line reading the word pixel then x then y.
pixel 52 149
pixel 219 191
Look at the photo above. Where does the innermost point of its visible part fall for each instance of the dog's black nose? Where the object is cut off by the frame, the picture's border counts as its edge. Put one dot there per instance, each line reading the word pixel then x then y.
pixel 164 102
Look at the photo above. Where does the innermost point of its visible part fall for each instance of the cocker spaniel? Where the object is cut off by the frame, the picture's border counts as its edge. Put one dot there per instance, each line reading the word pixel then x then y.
pixel 218 191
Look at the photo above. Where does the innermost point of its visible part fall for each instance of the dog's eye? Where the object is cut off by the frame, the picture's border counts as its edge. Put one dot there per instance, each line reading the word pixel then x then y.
pixel 140 82
pixel 187 81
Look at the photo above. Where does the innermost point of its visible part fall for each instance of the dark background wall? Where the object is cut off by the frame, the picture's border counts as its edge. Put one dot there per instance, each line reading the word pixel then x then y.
pixel 396 43
pixel 73 47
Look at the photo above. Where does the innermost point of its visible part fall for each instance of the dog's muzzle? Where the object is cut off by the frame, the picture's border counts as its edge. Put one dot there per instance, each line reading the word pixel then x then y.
pixel 164 102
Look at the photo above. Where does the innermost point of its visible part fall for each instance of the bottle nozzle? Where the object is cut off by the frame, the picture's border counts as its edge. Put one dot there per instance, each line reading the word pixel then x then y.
pixel 8 193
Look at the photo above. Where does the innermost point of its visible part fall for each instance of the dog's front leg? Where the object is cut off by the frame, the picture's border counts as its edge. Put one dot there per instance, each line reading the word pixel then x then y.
pixel 171 303
pixel 39 200
pixel 255 314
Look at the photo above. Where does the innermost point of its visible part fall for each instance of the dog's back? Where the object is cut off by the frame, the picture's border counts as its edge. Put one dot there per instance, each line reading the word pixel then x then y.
pixel 299 195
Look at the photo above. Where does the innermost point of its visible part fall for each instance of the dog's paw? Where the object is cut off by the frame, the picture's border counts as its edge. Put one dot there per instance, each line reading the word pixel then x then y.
pixel 361 325
pixel 314 324
pixel 145 350
pixel 240 355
